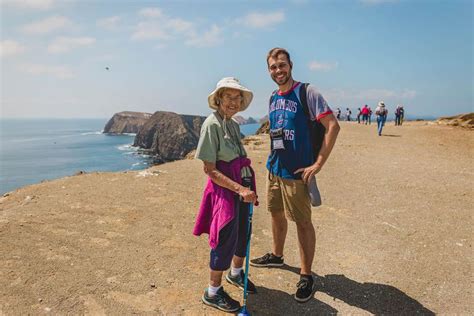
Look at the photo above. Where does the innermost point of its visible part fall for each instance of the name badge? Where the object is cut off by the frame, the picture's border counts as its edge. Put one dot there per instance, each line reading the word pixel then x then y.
pixel 278 143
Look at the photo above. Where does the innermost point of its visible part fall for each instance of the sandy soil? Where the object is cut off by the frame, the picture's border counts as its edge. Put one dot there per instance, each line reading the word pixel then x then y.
pixel 394 235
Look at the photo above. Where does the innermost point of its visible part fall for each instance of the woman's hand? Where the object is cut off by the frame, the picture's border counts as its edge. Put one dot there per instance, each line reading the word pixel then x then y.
pixel 248 195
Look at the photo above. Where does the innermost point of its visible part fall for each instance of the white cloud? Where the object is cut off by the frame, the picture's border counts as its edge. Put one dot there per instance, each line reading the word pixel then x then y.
pixel 165 28
pixel 179 25
pixel 377 2
pixel 316 66
pixel 159 26
pixel 65 44
pixel 10 48
pixel 151 12
pixel 261 20
pixel 47 25
pixel 109 23
pixel 61 72
pixel 150 30
pixel 29 4
pixel 209 38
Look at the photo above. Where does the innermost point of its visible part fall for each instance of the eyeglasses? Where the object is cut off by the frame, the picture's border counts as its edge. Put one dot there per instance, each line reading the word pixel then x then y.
pixel 228 98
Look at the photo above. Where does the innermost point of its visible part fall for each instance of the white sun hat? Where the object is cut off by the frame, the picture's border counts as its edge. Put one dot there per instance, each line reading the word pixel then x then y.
pixel 381 103
pixel 231 83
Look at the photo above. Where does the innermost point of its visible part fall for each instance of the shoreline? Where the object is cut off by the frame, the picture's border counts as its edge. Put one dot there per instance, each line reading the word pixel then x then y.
pixel 124 170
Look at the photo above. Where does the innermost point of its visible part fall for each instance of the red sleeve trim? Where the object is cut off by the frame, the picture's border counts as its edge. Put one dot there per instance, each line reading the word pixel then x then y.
pixel 289 91
pixel 320 116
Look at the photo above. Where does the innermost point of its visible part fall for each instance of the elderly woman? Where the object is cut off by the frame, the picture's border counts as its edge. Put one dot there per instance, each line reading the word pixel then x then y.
pixel 230 188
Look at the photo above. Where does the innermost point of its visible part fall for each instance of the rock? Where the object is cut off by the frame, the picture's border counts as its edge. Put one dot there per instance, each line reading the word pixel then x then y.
pixel 126 122
pixel 462 120
pixel 243 121
pixel 191 154
pixel 239 119
pixel 78 173
pixel 264 129
pixel 169 136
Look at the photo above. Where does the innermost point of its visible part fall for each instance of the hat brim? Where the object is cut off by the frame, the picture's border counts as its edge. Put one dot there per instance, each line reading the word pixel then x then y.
pixel 246 93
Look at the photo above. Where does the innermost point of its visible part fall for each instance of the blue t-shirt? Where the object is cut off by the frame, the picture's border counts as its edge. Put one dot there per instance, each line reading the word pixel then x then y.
pixel 286 111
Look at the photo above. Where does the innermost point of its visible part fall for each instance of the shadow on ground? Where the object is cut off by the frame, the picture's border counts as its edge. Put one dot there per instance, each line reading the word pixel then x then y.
pixel 378 299
pixel 275 302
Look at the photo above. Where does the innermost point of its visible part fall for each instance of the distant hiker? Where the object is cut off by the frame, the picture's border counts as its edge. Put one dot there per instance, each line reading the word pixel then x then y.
pixel 381 113
pixel 338 113
pixel 348 114
pixel 359 114
pixel 292 164
pixel 365 114
pixel 230 188
pixel 397 115
pixel 370 115
pixel 402 114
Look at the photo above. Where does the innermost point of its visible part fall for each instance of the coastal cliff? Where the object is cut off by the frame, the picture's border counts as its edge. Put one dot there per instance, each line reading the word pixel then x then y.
pixel 169 136
pixel 243 121
pixel 126 122
pixel 462 120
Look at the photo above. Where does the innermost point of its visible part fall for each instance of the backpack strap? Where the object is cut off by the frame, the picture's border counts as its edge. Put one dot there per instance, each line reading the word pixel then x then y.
pixel 316 129
pixel 304 100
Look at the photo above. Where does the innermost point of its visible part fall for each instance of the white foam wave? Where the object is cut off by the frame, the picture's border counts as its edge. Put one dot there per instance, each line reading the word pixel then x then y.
pixel 127 147
pixel 92 133
pixel 130 134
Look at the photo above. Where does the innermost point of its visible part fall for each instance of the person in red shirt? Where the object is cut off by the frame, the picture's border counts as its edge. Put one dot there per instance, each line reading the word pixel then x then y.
pixel 365 114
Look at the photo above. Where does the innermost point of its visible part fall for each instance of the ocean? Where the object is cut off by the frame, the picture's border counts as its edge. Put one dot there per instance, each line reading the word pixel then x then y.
pixel 33 150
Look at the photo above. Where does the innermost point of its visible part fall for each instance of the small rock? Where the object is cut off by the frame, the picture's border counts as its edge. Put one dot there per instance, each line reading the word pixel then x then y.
pixel 79 173
pixel 153 285
pixel 40 300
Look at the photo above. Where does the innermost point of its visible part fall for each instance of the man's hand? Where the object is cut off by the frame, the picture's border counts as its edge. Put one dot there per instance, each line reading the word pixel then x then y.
pixel 309 172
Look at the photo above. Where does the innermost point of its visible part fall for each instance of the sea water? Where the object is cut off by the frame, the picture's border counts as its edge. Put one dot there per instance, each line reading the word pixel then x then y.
pixel 32 150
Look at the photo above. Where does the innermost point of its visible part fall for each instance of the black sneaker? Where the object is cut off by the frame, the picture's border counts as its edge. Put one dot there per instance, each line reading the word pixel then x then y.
pixel 267 260
pixel 238 281
pixel 221 301
pixel 305 289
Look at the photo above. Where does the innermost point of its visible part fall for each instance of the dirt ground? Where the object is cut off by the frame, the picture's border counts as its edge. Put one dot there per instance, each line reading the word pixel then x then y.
pixel 394 235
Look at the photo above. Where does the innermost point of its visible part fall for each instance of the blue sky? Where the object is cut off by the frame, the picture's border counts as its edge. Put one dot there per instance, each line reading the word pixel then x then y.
pixel 168 55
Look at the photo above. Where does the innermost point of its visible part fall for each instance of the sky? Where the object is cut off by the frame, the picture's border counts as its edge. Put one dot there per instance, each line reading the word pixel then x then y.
pixel 169 55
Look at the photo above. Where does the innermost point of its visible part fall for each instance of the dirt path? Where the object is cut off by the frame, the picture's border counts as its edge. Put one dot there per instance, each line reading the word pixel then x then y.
pixel 394 235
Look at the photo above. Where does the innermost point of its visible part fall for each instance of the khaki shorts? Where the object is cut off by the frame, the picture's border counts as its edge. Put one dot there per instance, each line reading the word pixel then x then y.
pixel 290 196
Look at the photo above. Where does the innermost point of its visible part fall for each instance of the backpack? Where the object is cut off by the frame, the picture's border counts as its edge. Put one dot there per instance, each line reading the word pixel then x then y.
pixel 316 129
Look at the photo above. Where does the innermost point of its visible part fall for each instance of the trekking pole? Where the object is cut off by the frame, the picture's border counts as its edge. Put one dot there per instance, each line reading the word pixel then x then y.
pixel 243 310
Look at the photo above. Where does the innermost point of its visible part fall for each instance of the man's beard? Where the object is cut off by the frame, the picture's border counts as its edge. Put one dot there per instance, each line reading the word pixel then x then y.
pixel 286 79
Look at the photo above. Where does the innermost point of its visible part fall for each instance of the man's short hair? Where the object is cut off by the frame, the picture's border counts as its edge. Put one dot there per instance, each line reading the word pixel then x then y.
pixel 274 52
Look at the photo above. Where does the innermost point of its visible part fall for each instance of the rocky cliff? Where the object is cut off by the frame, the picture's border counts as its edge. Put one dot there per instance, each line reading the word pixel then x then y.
pixel 243 121
pixel 264 129
pixel 463 120
pixel 169 136
pixel 126 122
